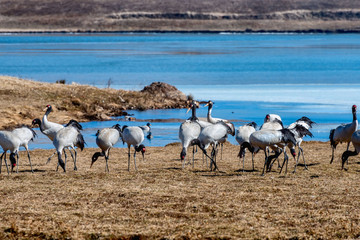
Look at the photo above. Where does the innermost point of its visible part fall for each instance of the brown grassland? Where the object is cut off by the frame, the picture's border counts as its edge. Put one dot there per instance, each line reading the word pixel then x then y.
pixel 163 201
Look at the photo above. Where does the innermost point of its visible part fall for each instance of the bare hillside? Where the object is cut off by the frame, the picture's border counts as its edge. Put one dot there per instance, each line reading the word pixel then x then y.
pixel 172 15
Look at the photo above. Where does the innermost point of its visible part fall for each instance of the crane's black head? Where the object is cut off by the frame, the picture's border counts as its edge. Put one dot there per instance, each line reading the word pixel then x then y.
pixel 148 124
pixel 48 108
pixel 183 154
pixel 35 122
pixel 267 118
pixel 12 160
pixel 293 153
pixel 125 126
pixel 141 148
pixel 354 108
pixel 96 156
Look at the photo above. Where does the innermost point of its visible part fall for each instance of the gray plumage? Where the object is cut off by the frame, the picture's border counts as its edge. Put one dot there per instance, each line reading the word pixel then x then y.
pixel 188 131
pixel 343 133
pixel 9 142
pixel 25 134
pixel 243 136
pixel 211 135
pixel 68 137
pixel 106 138
pixel 133 136
pixel 275 139
pixel 300 129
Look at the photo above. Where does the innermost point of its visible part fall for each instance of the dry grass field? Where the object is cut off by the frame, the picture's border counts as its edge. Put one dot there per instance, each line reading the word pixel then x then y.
pixel 163 201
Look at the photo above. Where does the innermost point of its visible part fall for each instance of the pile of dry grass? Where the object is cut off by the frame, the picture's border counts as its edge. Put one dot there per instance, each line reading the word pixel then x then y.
pixel 163 201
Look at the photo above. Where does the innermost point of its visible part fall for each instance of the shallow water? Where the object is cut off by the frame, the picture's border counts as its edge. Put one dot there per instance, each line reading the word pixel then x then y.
pixel 247 75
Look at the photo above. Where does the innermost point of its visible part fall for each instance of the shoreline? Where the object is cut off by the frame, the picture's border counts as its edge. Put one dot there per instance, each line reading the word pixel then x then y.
pixel 248 31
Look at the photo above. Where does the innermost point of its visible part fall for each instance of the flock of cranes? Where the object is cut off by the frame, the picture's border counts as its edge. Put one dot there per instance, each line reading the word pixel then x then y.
pixel 272 137
pixel 69 137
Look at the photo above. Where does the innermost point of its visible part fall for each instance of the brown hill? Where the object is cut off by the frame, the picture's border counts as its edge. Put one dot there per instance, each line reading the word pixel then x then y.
pixel 173 15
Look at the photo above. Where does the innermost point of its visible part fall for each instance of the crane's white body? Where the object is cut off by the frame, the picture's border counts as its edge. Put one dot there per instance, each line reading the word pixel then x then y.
pixel 133 136
pixel 67 137
pixel 213 135
pixel 269 138
pixel 343 133
pixel 271 126
pixel 242 136
pixel 107 138
pixel 9 142
pixel 25 134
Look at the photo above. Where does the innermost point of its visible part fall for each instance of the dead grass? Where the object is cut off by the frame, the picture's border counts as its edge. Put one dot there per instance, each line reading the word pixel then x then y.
pixel 23 100
pixel 163 201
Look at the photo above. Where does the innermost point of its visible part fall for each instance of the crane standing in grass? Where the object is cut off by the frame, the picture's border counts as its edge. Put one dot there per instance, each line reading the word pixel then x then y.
pixel 106 138
pixel 343 133
pixel 133 136
pixel 25 134
pixel 68 137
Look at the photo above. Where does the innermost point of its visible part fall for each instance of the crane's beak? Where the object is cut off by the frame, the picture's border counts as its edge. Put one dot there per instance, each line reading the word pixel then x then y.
pixel 207 104
pixel 188 109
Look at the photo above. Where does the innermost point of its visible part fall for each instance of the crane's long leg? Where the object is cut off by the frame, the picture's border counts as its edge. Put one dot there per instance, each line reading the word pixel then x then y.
pixel 265 162
pixel 302 153
pixel 1 161
pixel 128 158
pixel 28 153
pixel 1 157
pixel 221 151
pixel 75 168
pixel 332 154
pixel 7 167
pixel 347 149
pixel 17 162
pixel 244 163
pixel 193 163
pixel 286 159
pixel 135 160
pixel 106 159
pixel 252 158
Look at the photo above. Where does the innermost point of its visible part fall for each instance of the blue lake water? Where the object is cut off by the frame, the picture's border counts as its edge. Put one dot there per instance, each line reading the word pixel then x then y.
pixel 247 75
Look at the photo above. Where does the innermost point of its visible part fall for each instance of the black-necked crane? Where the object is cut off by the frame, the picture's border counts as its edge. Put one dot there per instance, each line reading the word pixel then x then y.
pixel 299 135
pixel 188 131
pixel 274 139
pixel 213 120
pixel 106 138
pixel 242 136
pixel 25 134
pixel 9 142
pixel 211 135
pixel 133 136
pixel 355 139
pixel 68 137
pixel 343 133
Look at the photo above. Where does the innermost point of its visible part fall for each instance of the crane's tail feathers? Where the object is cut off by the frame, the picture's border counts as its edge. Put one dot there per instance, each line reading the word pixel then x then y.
pixel 80 142
pixel 288 136
pixel 331 137
pixel 302 131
